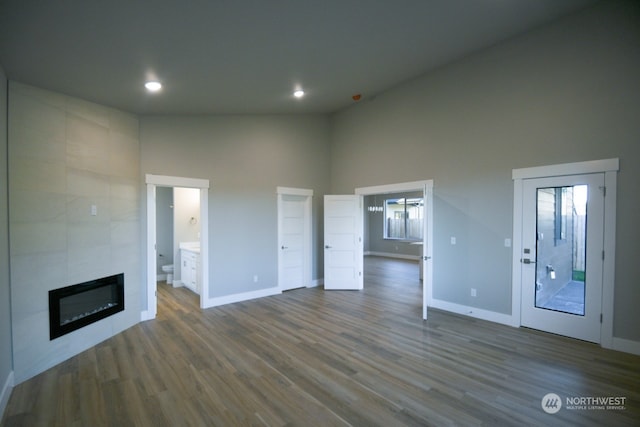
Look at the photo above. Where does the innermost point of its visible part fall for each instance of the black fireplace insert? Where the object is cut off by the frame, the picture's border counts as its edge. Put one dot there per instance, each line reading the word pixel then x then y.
pixel 76 306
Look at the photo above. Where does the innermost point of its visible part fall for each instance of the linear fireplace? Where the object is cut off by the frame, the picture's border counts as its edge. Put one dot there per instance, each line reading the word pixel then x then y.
pixel 76 306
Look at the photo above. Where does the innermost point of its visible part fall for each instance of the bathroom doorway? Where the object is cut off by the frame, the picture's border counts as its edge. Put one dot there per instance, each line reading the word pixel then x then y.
pixel 201 187
pixel 177 229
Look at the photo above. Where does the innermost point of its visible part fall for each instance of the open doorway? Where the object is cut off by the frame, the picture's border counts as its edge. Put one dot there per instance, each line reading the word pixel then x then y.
pixel 402 214
pixel 192 188
pixel 178 236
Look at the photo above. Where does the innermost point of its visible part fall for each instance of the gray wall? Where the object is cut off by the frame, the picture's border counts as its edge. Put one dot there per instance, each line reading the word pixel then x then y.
pixel 245 158
pixel 6 364
pixel 567 92
pixel 65 155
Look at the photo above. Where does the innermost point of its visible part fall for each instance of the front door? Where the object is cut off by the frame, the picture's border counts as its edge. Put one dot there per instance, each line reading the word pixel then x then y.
pixel 561 255
pixel 343 247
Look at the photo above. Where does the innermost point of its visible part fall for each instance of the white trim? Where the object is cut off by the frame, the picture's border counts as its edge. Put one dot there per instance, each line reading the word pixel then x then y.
pixel 426 187
pixel 394 188
pixel 609 264
pixel 393 255
pixel 176 181
pixel 204 244
pixel 628 346
pixel 610 168
pixel 317 282
pixel 563 169
pixel 294 191
pixel 6 393
pixel 245 296
pixel 152 298
pixel 477 313
pixel 516 270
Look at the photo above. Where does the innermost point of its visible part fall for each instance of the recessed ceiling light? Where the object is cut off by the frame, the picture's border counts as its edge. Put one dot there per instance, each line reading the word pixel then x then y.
pixel 153 86
pixel 298 93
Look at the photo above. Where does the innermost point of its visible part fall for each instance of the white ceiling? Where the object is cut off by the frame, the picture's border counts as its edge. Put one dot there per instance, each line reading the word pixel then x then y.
pixel 247 56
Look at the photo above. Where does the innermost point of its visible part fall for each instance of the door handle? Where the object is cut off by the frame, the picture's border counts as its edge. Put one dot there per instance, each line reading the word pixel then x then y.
pixel 285 247
pixel 327 247
pixel 527 261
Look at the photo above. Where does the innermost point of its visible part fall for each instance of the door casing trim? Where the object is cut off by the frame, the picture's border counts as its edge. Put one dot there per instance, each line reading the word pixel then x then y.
pixel 610 169
pixel 153 181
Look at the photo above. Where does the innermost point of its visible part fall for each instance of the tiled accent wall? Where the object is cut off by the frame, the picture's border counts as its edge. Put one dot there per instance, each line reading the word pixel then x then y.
pixel 65 156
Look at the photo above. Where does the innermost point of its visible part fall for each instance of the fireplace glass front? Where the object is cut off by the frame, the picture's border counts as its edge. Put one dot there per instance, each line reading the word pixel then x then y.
pixel 76 306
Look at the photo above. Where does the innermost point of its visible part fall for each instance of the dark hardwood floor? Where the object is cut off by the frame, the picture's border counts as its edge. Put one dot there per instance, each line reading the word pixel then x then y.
pixel 311 357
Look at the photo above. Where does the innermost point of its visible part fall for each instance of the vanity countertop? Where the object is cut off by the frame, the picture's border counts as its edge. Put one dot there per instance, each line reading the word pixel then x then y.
pixel 190 246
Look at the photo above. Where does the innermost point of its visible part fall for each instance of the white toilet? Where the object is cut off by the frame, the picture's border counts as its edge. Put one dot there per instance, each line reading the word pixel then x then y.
pixel 168 268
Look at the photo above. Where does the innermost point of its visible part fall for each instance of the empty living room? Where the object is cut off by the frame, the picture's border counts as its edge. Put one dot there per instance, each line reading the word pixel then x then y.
pixel 319 213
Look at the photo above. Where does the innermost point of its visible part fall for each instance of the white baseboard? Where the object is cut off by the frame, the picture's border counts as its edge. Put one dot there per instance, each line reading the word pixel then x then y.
pixel 245 296
pixel 6 393
pixel 316 282
pixel 144 316
pixel 393 255
pixel 627 346
pixel 478 313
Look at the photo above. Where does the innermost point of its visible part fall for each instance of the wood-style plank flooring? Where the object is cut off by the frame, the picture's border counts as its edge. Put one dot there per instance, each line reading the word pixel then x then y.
pixel 311 357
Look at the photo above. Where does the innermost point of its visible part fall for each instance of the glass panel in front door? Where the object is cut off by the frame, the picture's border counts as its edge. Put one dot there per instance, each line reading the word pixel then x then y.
pixel 561 225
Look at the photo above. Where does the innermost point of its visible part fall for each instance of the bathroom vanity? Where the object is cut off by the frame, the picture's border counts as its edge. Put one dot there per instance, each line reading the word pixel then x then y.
pixel 190 266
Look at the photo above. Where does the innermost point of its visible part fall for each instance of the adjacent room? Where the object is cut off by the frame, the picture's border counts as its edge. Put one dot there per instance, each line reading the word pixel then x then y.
pixel 335 213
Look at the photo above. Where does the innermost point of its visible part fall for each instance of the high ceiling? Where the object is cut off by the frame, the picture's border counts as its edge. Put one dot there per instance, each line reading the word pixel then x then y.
pixel 248 56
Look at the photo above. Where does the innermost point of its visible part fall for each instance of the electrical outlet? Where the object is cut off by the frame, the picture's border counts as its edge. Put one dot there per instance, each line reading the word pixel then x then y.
pixel 473 292
pixel 453 240
pixel 255 278
pixel 507 243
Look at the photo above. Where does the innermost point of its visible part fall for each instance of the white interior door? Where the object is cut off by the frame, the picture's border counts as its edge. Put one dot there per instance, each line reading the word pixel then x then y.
pixel 294 225
pixel 343 246
pixel 426 264
pixel 561 255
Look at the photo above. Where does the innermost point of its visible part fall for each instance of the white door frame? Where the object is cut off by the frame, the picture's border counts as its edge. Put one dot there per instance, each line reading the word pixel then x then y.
pixel 152 182
pixel 610 169
pixel 426 187
pixel 307 244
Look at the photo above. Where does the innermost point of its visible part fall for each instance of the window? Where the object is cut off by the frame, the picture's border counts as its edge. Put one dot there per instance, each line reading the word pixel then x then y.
pixel 403 218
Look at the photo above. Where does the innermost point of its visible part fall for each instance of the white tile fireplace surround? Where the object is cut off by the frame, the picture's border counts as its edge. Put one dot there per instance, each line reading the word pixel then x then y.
pixel 74 217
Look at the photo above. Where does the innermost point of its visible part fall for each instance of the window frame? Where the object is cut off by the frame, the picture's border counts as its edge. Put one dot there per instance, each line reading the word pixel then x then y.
pixel 385 227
